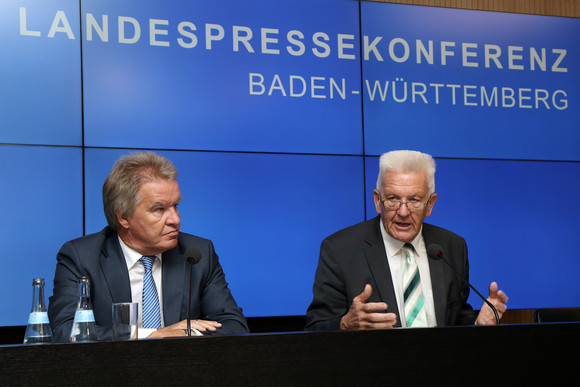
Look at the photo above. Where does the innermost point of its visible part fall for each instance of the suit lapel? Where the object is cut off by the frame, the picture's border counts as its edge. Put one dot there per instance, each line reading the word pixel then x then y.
pixel 376 257
pixel 114 269
pixel 174 272
pixel 437 279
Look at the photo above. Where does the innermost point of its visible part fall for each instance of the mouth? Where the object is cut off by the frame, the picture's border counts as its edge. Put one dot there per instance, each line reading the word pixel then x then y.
pixel 172 234
pixel 403 226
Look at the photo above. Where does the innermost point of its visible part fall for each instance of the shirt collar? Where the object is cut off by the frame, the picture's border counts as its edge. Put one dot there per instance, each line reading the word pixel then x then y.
pixel 131 256
pixel 393 246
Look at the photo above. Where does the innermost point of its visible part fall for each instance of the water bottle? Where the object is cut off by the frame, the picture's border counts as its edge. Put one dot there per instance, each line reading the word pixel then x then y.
pixel 84 328
pixel 38 329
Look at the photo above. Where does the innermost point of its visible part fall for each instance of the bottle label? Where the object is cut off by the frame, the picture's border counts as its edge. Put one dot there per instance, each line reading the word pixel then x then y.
pixel 38 318
pixel 84 316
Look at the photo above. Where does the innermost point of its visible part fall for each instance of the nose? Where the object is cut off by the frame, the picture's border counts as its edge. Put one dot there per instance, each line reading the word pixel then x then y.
pixel 403 210
pixel 173 216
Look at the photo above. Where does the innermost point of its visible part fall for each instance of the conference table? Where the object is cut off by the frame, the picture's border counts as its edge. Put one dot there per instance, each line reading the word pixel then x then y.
pixel 518 355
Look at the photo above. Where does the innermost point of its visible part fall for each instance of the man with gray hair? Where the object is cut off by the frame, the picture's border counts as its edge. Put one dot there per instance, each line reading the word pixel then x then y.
pixel 139 257
pixel 376 274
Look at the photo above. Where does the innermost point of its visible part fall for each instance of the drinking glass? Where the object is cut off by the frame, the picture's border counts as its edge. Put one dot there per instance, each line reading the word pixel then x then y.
pixel 125 320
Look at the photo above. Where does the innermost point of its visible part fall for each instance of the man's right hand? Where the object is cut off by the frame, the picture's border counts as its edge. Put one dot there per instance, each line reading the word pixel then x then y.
pixel 365 316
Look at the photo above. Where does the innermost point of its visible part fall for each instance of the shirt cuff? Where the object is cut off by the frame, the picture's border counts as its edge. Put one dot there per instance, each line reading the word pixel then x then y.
pixel 144 332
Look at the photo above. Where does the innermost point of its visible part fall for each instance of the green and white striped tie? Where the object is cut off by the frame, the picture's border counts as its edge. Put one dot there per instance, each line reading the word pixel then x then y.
pixel 414 308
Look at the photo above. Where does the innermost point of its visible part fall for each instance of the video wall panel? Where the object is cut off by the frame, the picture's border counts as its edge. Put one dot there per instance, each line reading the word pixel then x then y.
pixel 266 215
pixel 512 215
pixel 43 203
pixel 40 73
pixel 263 76
pixel 457 83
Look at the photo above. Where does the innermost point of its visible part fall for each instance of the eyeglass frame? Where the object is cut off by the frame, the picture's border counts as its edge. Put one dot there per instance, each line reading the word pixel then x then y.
pixel 382 201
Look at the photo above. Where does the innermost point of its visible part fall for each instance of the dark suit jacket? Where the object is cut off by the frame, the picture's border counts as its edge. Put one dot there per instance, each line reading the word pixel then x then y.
pixel 99 256
pixel 355 256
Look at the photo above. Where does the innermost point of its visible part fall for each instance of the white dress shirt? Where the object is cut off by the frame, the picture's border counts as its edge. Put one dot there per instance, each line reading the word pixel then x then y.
pixel 136 272
pixel 396 259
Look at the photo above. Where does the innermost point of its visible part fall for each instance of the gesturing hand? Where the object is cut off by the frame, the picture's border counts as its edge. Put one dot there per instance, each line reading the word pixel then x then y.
pixel 367 316
pixel 498 299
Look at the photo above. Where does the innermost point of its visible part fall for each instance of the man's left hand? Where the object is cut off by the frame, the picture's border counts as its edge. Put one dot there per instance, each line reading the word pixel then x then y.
pixel 498 299
pixel 180 328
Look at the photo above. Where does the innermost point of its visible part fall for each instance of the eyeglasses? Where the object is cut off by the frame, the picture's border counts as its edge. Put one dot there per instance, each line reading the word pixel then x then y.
pixel 413 205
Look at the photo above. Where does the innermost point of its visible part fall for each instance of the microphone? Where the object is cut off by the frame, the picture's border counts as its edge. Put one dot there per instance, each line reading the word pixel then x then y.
pixel 192 256
pixel 434 251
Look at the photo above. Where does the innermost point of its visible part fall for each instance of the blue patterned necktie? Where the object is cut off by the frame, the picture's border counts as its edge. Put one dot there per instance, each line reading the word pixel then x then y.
pixel 151 311
pixel 414 309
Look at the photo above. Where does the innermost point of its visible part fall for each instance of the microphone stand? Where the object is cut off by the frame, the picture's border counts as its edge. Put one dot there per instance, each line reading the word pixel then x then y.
pixel 192 256
pixel 474 289
pixel 189 300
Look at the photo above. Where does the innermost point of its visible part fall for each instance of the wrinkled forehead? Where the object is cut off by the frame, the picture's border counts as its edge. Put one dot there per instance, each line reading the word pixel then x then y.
pixel 405 182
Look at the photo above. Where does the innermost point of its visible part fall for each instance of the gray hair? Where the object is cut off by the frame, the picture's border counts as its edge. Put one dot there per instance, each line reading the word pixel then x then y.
pixel 121 187
pixel 406 161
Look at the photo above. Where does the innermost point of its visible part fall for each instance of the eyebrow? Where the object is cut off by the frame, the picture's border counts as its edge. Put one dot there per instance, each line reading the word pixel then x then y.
pixel 416 194
pixel 157 204
pixel 163 204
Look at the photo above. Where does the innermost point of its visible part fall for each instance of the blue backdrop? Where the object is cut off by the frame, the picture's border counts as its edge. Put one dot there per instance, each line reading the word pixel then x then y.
pixel 275 114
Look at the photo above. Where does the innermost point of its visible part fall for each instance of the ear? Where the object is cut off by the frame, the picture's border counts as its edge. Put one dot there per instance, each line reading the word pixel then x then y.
pixel 123 222
pixel 377 198
pixel 431 204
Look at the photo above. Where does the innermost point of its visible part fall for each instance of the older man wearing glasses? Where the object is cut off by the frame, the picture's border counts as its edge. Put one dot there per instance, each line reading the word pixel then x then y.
pixel 377 274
